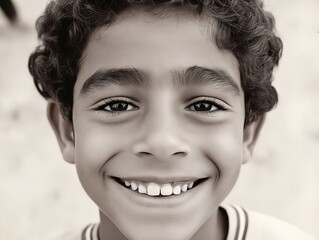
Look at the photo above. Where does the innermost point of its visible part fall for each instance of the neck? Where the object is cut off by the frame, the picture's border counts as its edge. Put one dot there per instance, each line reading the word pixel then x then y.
pixel 108 231
pixel 216 227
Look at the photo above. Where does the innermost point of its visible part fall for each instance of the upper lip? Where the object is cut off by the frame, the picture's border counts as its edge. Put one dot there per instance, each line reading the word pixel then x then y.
pixel 160 179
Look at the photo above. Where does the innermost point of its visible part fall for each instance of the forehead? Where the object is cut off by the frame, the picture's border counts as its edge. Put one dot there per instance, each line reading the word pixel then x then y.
pixel 157 44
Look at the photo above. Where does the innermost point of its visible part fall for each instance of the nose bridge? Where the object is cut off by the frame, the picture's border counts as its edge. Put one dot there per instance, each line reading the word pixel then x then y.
pixel 161 134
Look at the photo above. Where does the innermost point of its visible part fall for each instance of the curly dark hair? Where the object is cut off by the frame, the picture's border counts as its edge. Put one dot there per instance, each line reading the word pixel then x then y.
pixel 243 27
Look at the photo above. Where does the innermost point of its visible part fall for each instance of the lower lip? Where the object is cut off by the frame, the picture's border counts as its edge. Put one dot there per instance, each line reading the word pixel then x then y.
pixel 168 201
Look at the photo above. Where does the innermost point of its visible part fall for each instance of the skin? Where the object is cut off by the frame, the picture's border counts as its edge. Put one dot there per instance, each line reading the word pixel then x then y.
pixel 159 132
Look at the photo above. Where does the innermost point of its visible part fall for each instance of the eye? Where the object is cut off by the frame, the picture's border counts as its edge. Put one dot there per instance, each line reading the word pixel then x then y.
pixel 116 105
pixel 203 107
pixel 206 105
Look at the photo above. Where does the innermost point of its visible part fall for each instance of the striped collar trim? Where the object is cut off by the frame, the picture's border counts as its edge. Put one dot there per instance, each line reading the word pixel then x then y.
pixel 91 232
pixel 238 222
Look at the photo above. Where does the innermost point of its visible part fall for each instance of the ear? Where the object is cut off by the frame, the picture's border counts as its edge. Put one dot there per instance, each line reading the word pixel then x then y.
pixel 251 134
pixel 63 131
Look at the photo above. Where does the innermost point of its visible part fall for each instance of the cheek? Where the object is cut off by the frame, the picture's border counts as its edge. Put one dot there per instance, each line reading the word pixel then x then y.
pixel 224 142
pixel 95 144
pixel 224 149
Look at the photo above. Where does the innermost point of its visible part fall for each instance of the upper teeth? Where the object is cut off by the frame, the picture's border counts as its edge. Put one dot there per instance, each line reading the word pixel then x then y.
pixel 154 189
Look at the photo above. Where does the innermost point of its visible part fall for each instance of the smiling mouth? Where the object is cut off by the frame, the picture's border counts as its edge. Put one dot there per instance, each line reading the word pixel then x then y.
pixel 153 189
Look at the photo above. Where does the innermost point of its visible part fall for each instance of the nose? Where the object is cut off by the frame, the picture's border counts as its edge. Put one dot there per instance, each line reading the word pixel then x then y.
pixel 162 138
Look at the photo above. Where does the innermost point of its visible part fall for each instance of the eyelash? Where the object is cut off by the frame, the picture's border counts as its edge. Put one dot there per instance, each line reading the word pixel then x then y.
pixel 220 106
pixel 109 101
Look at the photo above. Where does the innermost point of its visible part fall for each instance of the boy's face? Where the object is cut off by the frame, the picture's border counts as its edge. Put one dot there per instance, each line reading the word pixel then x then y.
pixel 175 119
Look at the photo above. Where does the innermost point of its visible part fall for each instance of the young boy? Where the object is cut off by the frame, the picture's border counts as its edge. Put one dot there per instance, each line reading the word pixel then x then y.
pixel 158 104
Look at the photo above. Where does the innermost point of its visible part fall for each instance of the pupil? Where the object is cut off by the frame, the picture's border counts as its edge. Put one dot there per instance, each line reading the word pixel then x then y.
pixel 202 107
pixel 119 106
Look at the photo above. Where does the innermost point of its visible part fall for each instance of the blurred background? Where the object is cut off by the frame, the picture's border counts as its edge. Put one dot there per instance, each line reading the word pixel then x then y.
pixel 40 195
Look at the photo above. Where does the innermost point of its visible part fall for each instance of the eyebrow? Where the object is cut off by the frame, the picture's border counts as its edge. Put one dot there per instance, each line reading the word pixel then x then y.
pixel 115 76
pixel 196 75
pixel 192 76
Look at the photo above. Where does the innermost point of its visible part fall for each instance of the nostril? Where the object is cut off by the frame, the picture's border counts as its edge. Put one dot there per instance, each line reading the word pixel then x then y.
pixel 182 154
pixel 143 154
pixel 160 150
